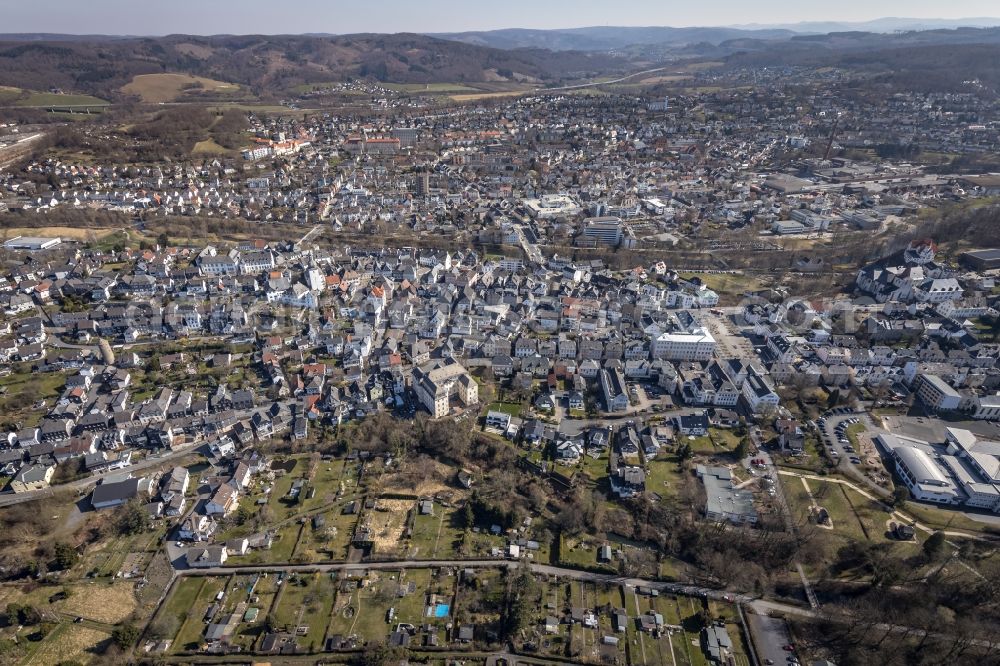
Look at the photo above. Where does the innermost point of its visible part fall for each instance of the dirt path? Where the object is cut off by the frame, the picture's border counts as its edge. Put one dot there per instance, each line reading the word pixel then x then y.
pixel 437 539
pixel 895 513
pixel 642 644
pixel 827 525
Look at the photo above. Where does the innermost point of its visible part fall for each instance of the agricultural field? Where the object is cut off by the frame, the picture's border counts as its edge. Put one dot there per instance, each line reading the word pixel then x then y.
pixel 474 97
pixel 69 643
pixel 70 233
pixel 431 87
pixel 159 88
pixel 102 602
pixel 32 99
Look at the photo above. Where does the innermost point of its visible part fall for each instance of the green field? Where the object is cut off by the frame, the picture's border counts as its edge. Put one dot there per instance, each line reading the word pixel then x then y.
pixel 8 94
pixel 726 283
pixel 512 408
pixel 330 541
pixel 19 390
pixel 39 99
pixel 210 147
pixel 664 477
pixel 192 629
pixel 305 601
pixel 363 611
pixel 430 87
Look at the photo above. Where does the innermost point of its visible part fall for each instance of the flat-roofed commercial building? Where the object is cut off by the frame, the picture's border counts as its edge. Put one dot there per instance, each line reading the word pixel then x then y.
pixel 33 243
pixel 982 260
pixel 603 230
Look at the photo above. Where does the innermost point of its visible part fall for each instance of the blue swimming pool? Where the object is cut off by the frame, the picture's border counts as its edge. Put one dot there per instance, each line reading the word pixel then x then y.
pixel 441 610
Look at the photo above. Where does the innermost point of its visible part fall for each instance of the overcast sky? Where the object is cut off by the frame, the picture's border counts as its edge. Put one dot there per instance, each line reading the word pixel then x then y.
pixel 158 17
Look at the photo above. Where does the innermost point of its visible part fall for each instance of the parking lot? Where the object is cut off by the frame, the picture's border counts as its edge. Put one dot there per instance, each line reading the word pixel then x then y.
pixel 730 339
pixel 862 462
pixel 770 636
pixel 835 429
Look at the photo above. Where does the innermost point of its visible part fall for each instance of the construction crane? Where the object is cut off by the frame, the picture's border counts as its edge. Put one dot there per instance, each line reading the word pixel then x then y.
pixel 833 133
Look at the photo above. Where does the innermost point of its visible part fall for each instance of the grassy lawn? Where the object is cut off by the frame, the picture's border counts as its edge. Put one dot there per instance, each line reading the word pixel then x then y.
pixel 329 542
pixel 723 438
pixel 22 387
pixel 688 608
pixel 53 99
pixel 192 630
pixel 512 408
pixel 731 284
pixel 8 94
pixel 181 602
pixel 66 643
pixel 430 87
pixel 938 518
pixel 810 460
pixel 663 476
pixel 167 87
pixel 364 611
pixel 831 497
pixel 323 482
pixel 210 147
pixel 702 445
pixel 109 558
pixel 733 628
pixel 306 600
pixel 852 432
pixel 595 468
pixel 581 552
pixel 424 538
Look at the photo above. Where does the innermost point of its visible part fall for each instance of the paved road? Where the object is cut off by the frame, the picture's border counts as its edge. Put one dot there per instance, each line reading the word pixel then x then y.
pixel 593 84
pixel 576 426
pixel 544 569
pixel 81 485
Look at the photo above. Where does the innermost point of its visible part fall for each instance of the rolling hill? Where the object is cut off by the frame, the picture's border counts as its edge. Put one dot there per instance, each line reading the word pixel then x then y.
pixel 268 65
pixel 608 38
